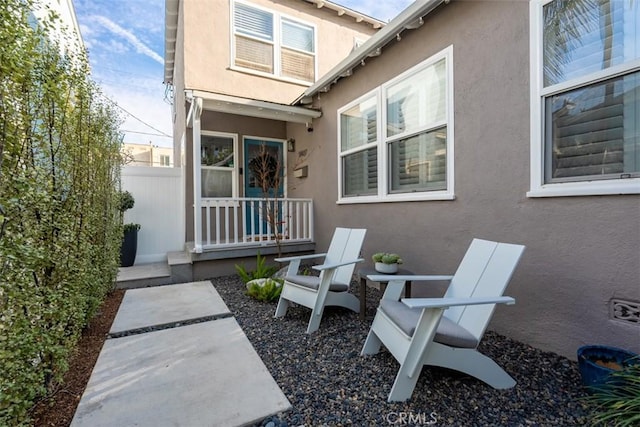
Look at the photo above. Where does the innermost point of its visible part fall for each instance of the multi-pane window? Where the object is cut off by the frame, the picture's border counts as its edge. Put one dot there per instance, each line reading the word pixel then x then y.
pixel 359 148
pixel 267 42
pixel 217 160
pixel 589 93
pixel 395 141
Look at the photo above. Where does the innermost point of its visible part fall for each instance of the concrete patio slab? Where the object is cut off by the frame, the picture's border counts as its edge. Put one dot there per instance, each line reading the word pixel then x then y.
pixel 204 374
pixel 146 307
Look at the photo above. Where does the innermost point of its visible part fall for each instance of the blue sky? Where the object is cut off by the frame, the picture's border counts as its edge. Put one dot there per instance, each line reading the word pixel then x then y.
pixel 125 39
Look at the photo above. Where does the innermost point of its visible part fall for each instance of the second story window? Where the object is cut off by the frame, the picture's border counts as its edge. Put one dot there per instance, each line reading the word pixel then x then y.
pixel 267 42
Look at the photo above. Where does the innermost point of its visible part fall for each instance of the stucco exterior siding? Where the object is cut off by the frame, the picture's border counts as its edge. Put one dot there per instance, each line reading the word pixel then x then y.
pixel 208 43
pixel 581 251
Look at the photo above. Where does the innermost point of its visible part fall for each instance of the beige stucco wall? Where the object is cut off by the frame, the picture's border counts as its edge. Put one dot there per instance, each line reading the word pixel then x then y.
pixel 581 251
pixel 208 43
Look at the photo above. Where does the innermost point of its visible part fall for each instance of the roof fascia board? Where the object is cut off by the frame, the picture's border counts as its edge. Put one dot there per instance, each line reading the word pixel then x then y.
pixel 170 35
pixel 373 46
pixel 254 108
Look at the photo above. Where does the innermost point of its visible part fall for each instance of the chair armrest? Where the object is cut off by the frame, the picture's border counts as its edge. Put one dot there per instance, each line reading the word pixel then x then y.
pixel 407 278
pixel 452 302
pixel 336 265
pixel 299 257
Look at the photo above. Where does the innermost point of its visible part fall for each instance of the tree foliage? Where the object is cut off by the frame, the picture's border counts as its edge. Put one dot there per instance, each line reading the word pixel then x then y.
pixel 60 231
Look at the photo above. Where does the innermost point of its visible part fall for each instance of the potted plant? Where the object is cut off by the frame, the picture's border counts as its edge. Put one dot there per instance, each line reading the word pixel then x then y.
pixel 386 263
pixel 597 363
pixel 130 232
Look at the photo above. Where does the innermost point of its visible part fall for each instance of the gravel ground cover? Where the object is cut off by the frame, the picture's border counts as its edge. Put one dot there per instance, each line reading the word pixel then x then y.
pixel 329 383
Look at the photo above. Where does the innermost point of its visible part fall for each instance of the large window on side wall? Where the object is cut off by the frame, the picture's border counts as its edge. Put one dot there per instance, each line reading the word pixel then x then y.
pixel 585 76
pixel 269 43
pixel 218 164
pixel 396 142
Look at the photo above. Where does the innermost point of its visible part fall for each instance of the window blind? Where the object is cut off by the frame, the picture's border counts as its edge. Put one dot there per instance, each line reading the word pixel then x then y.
pixel 586 130
pixel 297 36
pixel 297 65
pixel 419 162
pixel 253 22
pixel 254 54
pixel 360 173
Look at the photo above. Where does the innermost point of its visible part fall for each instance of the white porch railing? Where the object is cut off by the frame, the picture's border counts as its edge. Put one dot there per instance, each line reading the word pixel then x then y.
pixel 242 222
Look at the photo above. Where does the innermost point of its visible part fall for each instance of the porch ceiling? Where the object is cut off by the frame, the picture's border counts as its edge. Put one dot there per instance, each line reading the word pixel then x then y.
pixel 254 108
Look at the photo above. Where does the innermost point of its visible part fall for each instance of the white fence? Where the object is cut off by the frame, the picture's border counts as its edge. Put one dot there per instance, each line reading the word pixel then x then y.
pixel 159 209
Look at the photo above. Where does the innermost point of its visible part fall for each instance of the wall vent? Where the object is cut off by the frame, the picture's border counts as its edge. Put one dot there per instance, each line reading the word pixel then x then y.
pixel 625 311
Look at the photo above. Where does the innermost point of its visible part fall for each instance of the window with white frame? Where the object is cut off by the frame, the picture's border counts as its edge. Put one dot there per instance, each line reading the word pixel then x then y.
pixel 396 142
pixel 586 95
pixel 268 42
pixel 217 165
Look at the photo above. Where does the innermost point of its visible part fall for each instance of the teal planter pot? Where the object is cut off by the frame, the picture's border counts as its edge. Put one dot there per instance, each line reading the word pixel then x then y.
pixel 597 362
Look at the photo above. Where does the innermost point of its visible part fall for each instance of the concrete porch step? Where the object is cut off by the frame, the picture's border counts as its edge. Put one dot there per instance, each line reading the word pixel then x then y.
pixel 145 275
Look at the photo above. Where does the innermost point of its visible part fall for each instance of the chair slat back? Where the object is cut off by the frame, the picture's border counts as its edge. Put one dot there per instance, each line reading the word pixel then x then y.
pixel 485 271
pixel 345 245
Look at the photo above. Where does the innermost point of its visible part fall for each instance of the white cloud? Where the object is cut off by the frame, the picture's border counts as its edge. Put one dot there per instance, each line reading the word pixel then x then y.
pixel 128 35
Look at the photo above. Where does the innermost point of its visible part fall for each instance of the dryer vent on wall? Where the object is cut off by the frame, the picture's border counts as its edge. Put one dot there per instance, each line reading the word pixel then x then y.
pixel 625 311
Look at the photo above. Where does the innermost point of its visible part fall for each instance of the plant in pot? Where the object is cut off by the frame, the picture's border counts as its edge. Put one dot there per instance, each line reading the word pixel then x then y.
pixel 597 363
pixel 386 263
pixel 130 232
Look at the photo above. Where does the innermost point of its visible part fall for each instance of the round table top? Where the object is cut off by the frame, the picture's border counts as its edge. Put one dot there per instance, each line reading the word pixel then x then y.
pixel 370 270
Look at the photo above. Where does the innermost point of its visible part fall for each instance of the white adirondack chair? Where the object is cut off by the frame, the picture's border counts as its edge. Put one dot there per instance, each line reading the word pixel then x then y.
pixel 445 331
pixel 332 287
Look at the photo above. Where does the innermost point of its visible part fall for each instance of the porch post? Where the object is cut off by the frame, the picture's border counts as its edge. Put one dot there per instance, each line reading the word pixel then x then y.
pixel 197 184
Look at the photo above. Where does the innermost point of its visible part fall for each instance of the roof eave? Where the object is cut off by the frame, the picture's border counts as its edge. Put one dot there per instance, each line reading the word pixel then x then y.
pixel 170 35
pixel 254 107
pixel 345 11
pixel 410 18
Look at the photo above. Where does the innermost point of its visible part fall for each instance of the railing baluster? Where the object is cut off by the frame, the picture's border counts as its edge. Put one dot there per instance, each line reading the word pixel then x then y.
pixel 207 213
pixel 245 221
pixel 217 222
pixel 236 232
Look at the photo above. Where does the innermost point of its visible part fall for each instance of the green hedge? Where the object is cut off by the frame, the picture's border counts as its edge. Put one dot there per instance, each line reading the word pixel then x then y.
pixel 60 231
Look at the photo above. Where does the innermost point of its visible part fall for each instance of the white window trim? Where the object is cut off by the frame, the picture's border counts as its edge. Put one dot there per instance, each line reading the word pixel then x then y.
pixel 234 172
pixel 537 92
pixel 383 195
pixel 276 42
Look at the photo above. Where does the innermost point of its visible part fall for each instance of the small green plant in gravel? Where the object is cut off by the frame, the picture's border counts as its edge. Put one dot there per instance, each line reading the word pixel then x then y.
pixel 268 291
pixel 617 402
pixel 262 270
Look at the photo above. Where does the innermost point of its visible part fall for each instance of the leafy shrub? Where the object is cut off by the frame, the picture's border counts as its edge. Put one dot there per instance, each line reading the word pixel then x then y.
pixel 60 230
pixel 617 402
pixel 262 270
pixel 126 201
pixel 267 292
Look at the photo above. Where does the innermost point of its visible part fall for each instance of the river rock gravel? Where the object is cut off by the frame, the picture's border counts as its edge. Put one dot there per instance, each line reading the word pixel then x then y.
pixel 329 383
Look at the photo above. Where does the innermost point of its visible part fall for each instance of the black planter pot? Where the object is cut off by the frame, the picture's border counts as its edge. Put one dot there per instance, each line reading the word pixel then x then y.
pixel 129 248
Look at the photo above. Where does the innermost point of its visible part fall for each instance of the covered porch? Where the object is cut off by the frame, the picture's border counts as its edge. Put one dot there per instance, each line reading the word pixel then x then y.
pixel 231 213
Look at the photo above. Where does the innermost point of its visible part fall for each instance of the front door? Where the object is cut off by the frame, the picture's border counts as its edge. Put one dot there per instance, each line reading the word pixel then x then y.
pixel 263 179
